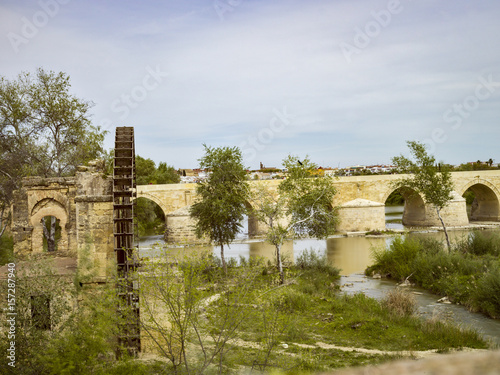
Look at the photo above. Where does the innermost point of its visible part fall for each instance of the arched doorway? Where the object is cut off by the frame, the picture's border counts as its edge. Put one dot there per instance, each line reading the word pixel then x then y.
pixel 49 219
pixel 482 203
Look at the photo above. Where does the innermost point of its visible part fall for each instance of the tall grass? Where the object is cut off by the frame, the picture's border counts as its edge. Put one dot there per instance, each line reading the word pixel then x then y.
pixel 469 275
pixel 6 249
pixel 480 243
pixel 400 302
pixel 312 260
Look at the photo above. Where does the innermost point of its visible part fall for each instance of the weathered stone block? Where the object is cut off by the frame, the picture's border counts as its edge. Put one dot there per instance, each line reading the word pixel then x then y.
pixel 360 215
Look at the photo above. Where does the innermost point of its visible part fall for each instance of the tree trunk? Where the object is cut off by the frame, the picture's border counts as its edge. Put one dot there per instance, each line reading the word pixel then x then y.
pixel 50 235
pixel 3 222
pixel 279 264
pixel 224 266
pixel 444 229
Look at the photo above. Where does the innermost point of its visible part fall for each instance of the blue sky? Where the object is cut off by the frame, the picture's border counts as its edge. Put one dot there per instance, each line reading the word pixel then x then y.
pixel 346 82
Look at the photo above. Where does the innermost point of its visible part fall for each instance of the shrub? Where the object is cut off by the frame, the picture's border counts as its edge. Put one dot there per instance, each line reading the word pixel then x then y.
pixel 487 297
pixel 291 300
pixel 480 243
pixel 400 302
pixel 312 260
pixel 398 259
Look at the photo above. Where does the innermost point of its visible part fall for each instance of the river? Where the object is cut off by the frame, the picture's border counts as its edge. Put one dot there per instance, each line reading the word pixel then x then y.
pixel 351 255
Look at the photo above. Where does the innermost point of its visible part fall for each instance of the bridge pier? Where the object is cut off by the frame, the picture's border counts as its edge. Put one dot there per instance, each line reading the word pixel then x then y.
pixel 361 215
pixel 180 227
pixel 418 214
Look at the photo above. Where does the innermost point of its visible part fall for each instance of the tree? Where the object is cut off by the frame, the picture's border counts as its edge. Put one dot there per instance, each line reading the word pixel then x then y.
pixel 189 325
pixel 44 130
pixel 302 207
pixel 222 197
pixel 426 178
pixel 148 173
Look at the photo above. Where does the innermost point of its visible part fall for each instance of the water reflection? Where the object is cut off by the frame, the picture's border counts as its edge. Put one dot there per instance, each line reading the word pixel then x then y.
pixel 352 254
pixel 349 254
pixel 394 217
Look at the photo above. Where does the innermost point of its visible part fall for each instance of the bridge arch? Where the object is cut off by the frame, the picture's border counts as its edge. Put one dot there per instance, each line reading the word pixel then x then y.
pixel 486 206
pixel 155 199
pixel 151 219
pixel 414 213
pixel 43 208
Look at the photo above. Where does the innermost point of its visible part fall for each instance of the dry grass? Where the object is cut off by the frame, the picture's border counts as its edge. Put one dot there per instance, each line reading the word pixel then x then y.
pixel 400 302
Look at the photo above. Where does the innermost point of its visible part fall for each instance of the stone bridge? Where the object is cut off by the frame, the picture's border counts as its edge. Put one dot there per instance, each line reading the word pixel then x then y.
pixel 84 207
pixel 361 200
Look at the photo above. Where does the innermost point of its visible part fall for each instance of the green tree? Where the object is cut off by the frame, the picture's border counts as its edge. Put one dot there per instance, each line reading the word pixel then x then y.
pixel 44 130
pixel 148 173
pixel 302 207
pixel 222 197
pixel 166 174
pixel 433 182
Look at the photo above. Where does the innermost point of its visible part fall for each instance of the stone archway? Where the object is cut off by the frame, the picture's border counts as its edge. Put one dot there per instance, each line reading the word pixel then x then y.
pixel 486 206
pixel 414 213
pixel 48 207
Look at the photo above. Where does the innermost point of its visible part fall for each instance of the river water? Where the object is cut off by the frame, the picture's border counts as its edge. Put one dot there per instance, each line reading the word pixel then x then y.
pixel 351 255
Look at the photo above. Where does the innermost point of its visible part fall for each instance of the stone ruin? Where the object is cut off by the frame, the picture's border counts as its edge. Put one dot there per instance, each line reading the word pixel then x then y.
pixel 83 204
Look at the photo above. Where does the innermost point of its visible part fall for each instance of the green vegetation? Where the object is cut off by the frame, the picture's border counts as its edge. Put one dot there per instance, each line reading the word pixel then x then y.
pixel 469 274
pixel 246 320
pixel 395 199
pixel 148 173
pixel 477 166
pixel 432 181
pixel 206 321
pixel 302 208
pixel 6 249
pixel 222 196
pixel 44 131
pixel 150 217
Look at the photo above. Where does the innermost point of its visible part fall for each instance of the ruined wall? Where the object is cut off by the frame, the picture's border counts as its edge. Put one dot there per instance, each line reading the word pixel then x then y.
pixel 84 207
pixel 94 213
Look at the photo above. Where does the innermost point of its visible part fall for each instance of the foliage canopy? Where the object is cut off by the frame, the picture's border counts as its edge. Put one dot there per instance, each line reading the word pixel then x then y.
pixel 426 177
pixel 222 196
pixel 44 130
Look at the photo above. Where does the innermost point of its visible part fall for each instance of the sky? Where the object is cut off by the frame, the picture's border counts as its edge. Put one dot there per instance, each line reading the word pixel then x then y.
pixel 344 82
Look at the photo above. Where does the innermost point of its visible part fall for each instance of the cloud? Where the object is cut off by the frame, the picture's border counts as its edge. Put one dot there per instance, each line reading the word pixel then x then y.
pixel 226 76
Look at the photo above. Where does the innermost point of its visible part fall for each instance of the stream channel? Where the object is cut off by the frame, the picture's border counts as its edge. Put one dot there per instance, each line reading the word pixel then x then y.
pixel 351 255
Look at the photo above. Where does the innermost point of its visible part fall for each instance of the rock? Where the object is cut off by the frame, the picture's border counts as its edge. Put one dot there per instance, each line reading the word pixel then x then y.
pixel 405 283
pixel 444 300
pixel 377 276
pixel 284 346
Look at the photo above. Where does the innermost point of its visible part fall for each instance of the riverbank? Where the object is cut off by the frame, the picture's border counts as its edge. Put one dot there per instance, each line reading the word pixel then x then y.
pixel 394 231
pixel 467 274
pixel 308 324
